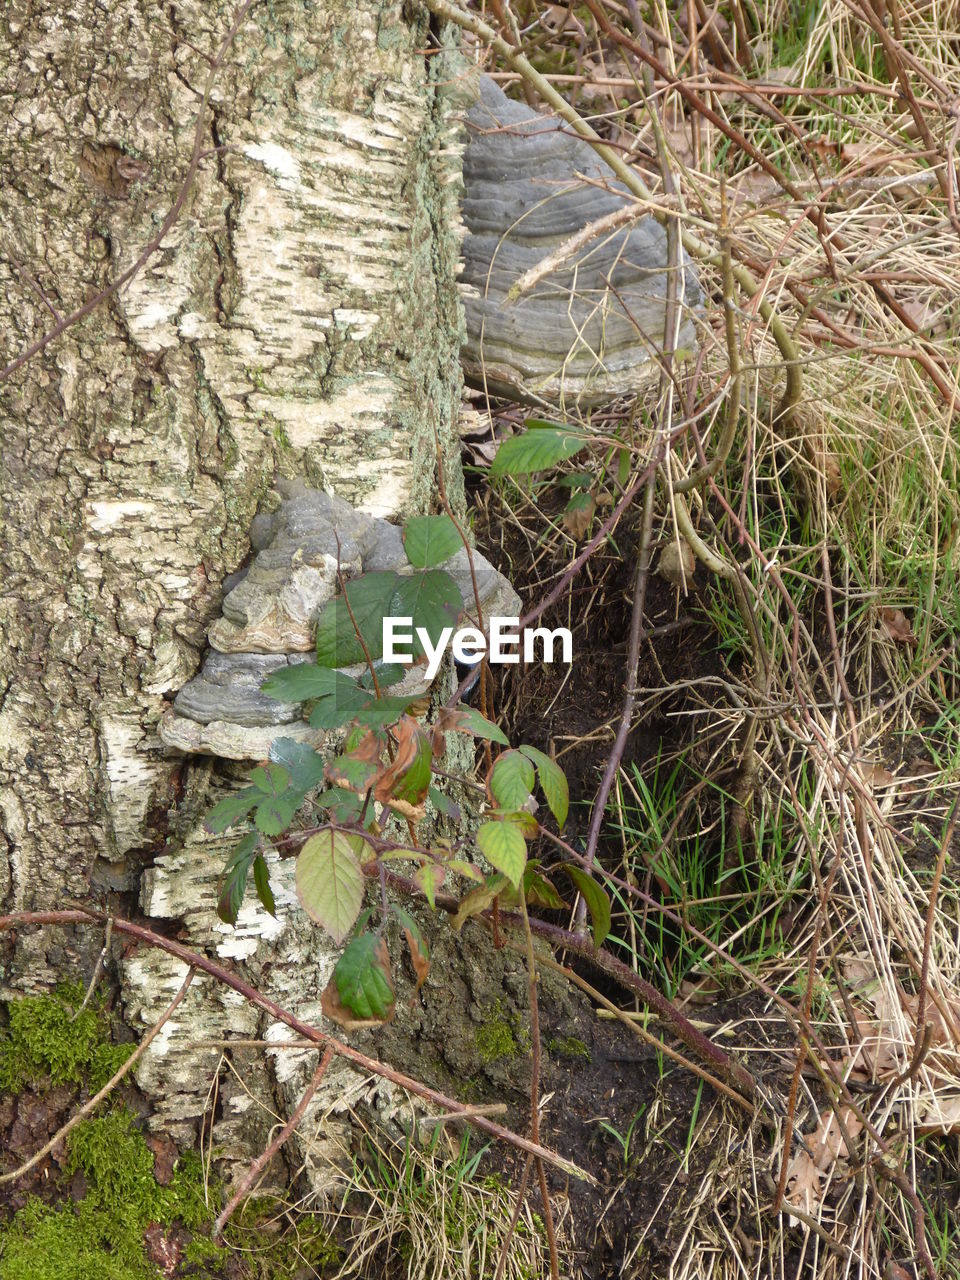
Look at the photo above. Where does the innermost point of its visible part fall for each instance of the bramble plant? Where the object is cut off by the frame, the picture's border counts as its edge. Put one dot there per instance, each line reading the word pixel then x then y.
pixel 386 766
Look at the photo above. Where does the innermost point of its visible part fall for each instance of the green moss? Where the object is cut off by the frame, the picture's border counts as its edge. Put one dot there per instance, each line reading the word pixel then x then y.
pixel 495 1039
pixel 269 1253
pixel 568 1047
pixel 51 1040
pixel 101 1237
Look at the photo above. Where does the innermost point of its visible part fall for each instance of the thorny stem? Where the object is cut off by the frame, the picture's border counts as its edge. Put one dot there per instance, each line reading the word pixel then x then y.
pixel 85 915
pixel 671 317
pixel 643 1034
pixel 736 1076
pixel 341 582
pixel 484 665
pixel 535 1084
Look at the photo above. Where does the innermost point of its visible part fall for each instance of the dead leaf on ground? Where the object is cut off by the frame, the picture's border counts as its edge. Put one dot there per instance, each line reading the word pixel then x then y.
pixel 827 1143
pixel 897 627
pixel 804 1185
pixel 579 514
pixel 939 1113
pixel 875 775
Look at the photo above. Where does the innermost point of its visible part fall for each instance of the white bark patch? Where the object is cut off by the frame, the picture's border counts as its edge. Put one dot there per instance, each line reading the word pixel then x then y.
pixel 131 779
pixel 358 324
pixel 107 514
pixel 276 159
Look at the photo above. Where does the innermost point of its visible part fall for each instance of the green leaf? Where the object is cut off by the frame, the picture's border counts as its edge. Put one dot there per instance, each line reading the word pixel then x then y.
pixel 412 783
pixel 477 900
pixel 377 712
pixel 537 450
pixel 388 673
pixel 430 878
pixel 369 597
pixel 553 782
pixel 233 881
pixel 300 682
pixel 429 540
pixel 345 701
pixel 575 480
pixel 623 467
pixel 280 800
pixel 465 719
pixel 520 817
pixel 363 980
pixel 261 879
pixel 598 904
pixel 304 765
pixel 511 780
pixel 432 599
pixel 409 923
pixel 350 773
pixel 341 804
pixel 443 804
pixel 330 882
pixel 231 810
pixel 469 870
pixel 504 847
pixel 539 891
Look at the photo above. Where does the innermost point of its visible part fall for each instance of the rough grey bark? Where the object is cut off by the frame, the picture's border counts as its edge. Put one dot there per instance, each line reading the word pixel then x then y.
pixel 301 319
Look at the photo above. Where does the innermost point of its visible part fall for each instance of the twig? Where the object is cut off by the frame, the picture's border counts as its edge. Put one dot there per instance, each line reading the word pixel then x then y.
pixel 97 970
pixel 535 1084
pixel 646 528
pixel 84 915
pixel 931 915
pixel 262 1160
pixel 630 1020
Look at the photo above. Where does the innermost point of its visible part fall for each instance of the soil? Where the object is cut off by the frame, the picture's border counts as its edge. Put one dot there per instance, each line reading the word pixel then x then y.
pixel 573 713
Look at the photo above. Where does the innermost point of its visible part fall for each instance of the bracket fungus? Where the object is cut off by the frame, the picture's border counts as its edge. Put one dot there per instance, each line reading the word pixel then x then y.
pixel 269 616
pixel 591 326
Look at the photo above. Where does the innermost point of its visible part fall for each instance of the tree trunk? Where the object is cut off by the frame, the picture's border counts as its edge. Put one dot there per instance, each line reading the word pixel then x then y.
pixel 300 319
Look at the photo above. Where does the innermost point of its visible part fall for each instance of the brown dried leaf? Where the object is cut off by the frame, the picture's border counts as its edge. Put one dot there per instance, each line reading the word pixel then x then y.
pixel 579 514
pixel 421 962
pixel 827 1142
pixel 875 775
pixel 897 627
pixel 828 464
pixel 804 1184
pixel 939 1113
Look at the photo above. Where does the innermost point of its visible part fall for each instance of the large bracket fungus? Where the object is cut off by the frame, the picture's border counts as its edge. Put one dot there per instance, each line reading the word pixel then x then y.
pixel 591 328
pixel 269 616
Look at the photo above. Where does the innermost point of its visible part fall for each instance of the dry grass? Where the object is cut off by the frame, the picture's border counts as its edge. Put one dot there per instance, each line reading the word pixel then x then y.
pixel 848 729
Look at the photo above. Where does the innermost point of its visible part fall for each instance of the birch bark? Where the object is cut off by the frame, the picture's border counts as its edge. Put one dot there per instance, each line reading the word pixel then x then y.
pixel 300 319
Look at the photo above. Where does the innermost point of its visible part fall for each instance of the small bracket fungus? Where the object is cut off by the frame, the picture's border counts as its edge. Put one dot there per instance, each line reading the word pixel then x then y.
pixel 269 617
pixel 591 326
